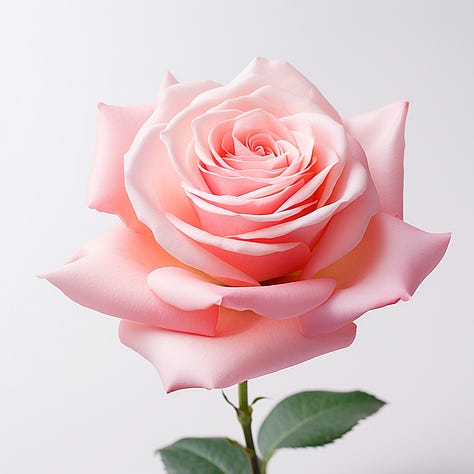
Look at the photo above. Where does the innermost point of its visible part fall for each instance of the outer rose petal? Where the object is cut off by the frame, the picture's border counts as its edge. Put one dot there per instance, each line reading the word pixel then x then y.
pixel 381 134
pixel 245 346
pixel 248 261
pixel 116 130
pixel 110 276
pixel 388 265
pixel 174 99
pixel 167 81
pixel 150 179
pixel 284 76
pixel 190 292
pixel 347 227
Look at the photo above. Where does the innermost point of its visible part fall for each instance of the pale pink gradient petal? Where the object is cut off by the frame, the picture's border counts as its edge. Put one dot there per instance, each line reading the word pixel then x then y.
pixel 309 189
pixel 382 136
pixel 260 120
pixel 222 222
pixel 245 346
pixel 255 99
pixel 266 266
pixel 238 184
pixel 388 265
pixel 192 254
pixel 284 76
pixel 329 135
pixel 351 184
pixel 155 188
pixel 110 275
pixel 148 203
pixel 188 291
pixel 250 95
pixel 171 100
pixel 177 97
pixel 151 180
pixel 211 129
pixel 326 131
pixel 256 261
pixel 231 245
pixel 203 128
pixel 167 81
pixel 275 75
pixel 346 228
pixel 247 205
pixel 116 130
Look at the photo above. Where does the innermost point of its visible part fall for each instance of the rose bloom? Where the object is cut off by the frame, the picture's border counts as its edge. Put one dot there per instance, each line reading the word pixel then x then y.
pixel 257 225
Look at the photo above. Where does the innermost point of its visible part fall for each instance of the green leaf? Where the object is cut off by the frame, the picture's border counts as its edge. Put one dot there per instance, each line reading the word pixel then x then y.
pixel 204 456
pixel 313 419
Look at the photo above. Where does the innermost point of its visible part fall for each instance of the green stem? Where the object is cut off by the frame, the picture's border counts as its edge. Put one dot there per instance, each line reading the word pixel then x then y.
pixel 245 419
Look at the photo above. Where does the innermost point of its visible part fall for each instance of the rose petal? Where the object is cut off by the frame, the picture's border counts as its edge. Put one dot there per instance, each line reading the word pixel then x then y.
pixel 110 276
pixel 247 205
pixel 203 126
pixel 239 184
pixel 178 96
pixel 328 135
pixel 245 346
pixel 306 228
pixel 229 244
pixel 268 266
pixel 167 81
pixel 210 129
pixel 277 76
pixel 262 121
pixel 222 222
pixel 150 178
pixel 309 189
pixel 253 100
pixel 381 134
pixel 284 76
pixel 191 253
pixel 388 265
pixel 154 188
pixel 116 130
pixel 187 291
pixel 260 261
pixel 346 228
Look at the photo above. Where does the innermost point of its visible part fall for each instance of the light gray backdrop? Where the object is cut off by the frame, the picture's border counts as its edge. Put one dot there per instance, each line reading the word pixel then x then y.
pixel 72 398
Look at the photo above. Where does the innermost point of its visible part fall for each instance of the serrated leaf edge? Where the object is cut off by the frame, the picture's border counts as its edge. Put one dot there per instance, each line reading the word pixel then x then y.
pixel 275 447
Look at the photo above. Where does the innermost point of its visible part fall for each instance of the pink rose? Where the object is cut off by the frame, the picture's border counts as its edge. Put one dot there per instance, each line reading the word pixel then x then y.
pixel 257 225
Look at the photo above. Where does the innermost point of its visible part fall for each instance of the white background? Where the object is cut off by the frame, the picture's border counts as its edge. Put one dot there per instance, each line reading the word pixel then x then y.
pixel 72 398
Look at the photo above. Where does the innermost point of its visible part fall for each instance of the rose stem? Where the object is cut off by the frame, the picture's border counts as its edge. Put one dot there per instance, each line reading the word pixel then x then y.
pixel 245 419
